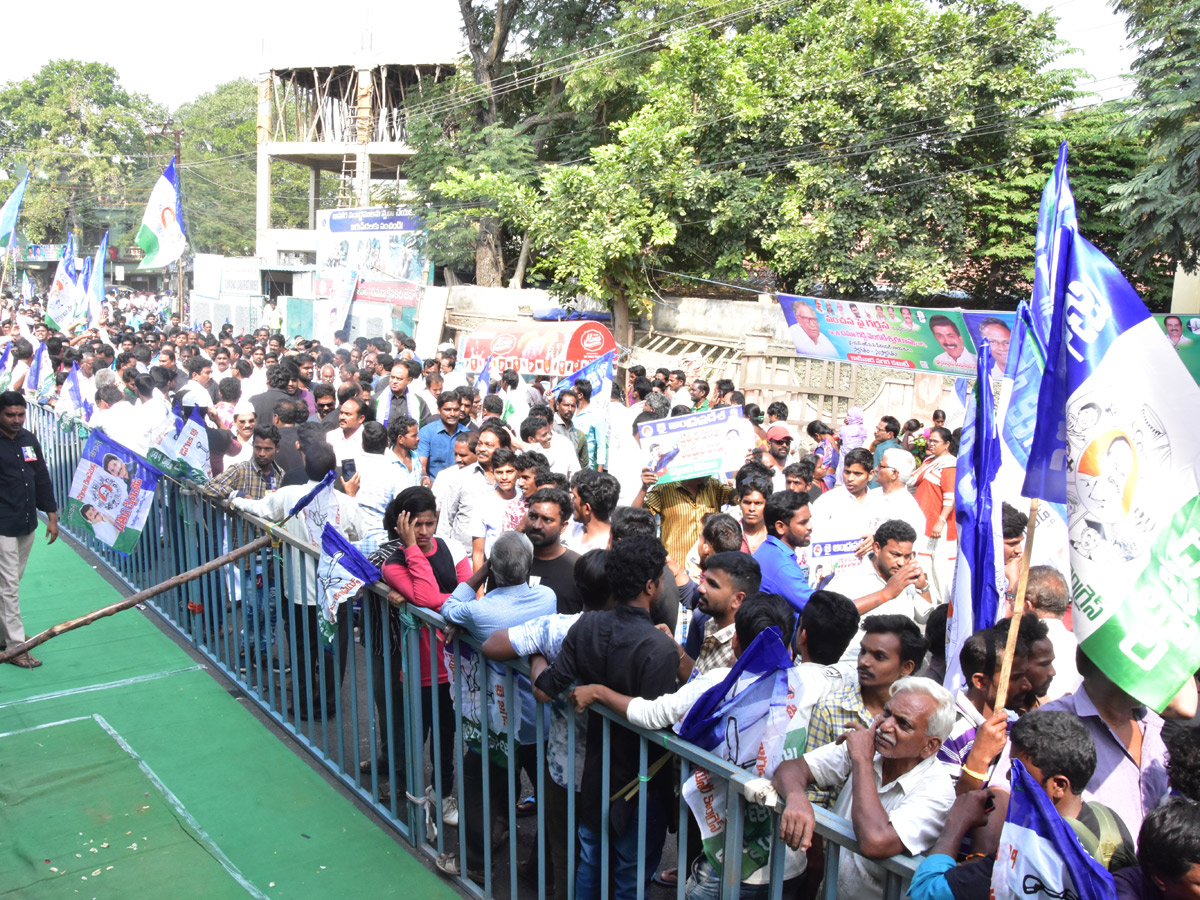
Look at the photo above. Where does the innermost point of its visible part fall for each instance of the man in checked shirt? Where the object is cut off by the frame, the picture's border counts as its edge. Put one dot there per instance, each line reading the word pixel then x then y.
pixel 253 479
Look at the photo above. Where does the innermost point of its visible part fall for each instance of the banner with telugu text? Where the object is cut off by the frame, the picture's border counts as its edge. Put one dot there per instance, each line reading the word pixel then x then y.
pixel 111 494
pixel 696 446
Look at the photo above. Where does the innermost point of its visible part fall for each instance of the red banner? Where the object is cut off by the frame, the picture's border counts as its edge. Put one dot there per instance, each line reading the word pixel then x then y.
pixel 538 348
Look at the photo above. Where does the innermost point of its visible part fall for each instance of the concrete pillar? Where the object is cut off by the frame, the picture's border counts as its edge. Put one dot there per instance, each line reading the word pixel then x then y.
pixel 264 133
pixel 362 177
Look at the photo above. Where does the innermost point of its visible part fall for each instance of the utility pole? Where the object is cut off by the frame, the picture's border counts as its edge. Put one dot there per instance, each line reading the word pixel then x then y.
pixel 177 133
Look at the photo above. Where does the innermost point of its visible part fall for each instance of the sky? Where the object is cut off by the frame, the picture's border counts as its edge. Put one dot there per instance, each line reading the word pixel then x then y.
pixel 173 57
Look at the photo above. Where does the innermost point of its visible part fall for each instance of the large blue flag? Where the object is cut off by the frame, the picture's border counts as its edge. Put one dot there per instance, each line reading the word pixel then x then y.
pixel 484 378
pixel 94 288
pixel 1117 439
pixel 1039 855
pixel 978 570
pixel 8 212
pixel 324 483
pixel 342 572
pixel 6 367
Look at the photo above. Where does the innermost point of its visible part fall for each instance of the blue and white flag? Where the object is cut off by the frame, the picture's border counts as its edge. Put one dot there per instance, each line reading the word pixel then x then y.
pixel 746 720
pixel 599 372
pixel 73 406
pixel 6 367
pixel 484 379
pixel 321 485
pixel 39 383
pixel 94 287
pixel 8 212
pixel 26 286
pixel 979 570
pixel 342 572
pixel 1017 411
pixel 60 299
pixel 1039 855
pixel 80 306
pixel 1117 439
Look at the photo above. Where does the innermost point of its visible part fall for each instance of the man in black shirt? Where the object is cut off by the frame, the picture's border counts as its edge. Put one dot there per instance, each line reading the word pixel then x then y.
pixel 621 649
pixel 553 564
pixel 25 488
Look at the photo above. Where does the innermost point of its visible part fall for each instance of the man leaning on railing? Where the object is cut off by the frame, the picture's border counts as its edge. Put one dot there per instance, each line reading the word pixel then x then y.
pixel 894 790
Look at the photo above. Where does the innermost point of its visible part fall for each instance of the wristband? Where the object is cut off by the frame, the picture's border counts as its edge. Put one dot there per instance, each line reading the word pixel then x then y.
pixel 980 777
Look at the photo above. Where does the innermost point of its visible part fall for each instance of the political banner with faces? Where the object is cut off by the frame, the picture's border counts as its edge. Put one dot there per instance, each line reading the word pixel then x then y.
pixel 700 445
pixel 111 494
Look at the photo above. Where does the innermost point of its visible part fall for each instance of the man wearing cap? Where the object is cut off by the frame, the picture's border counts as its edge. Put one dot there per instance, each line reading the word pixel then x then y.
pixel 779 448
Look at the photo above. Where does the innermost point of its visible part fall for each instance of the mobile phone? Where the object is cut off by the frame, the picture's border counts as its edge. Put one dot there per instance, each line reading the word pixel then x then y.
pixel 348 469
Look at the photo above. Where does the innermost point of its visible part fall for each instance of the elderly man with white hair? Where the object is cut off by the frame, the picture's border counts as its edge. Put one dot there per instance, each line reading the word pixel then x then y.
pixel 894 791
pixel 512 601
pixel 892 500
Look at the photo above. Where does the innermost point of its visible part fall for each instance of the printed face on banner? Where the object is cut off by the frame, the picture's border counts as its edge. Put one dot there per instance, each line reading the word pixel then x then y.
pixel 884 335
pixel 696 446
pixel 111 494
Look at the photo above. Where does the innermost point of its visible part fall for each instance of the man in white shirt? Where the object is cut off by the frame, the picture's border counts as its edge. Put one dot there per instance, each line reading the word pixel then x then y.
pixel 892 500
pixel 806 333
pixel 347 440
pixel 558 449
pixel 594 496
pixel 894 790
pixel 842 513
pixel 889 581
pixel 956 356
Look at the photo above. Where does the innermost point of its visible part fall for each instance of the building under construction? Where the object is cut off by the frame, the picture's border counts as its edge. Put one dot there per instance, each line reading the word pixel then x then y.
pixel 350 120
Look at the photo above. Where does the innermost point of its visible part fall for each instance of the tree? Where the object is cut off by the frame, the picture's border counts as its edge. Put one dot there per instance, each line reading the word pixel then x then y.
pixel 82 135
pixel 839 146
pixel 1160 205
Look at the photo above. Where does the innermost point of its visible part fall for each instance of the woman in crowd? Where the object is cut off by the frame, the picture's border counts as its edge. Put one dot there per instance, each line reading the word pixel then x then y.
pixel 420 569
pixel 932 484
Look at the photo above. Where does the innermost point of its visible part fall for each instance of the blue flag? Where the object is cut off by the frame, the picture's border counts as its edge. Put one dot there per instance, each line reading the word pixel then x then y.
pixel 325 482
pixel 75 405
pixel 1045 471
pixel 8 212
pixel 599 372
pixel 342 572
pixel 484 378
pixel 1120 407
pixel 5 367
pixel 1039 854
pixel 94 285
pixel 976 598
pixel 767 661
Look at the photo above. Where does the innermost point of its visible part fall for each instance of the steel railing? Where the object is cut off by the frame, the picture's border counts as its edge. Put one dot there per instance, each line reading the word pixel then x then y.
pixel 341 702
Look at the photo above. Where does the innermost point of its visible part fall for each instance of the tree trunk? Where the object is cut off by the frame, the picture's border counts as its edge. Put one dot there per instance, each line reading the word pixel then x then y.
pixel 522 261
pixel 489 260
pixel 622 321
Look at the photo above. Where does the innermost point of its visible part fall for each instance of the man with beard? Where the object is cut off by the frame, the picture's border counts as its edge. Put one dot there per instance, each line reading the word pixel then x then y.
pixel 779 449
pixel 894 791
pixel 889 581
pixel 727 580
pixel 891 648
pixel 553 564
pixel 787 518
pixel 564 415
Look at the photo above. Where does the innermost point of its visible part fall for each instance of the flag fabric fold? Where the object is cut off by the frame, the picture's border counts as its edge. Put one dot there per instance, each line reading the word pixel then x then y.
pixel 746 719
pixel 342 572
pixel 6 367
pixel 179 447
pixel 599 372
pixel 1039 854
pixel 1117 440
pixel 94 288
pixel 978 573
pixel 8 212
pixel 73 407
pixel 111 494
pixel 161 235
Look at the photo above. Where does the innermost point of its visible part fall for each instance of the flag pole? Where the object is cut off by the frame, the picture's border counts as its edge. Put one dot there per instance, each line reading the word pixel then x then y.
pixel 1014 625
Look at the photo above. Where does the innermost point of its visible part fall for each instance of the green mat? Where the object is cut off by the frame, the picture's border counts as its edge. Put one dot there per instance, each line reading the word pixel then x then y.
pixel 84 815
pixel 275 820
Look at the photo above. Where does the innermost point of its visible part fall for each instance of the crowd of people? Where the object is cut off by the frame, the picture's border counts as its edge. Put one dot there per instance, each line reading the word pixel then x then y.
pixel 530 519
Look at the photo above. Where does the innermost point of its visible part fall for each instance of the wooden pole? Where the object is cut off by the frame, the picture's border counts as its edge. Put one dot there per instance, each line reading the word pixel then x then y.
pixel 1010 646
pixel 135 599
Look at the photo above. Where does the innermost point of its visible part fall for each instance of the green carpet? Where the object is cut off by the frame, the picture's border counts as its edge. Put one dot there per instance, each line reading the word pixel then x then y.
pixel 249 818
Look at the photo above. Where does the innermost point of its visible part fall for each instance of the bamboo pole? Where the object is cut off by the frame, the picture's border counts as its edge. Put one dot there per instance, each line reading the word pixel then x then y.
pixel 134 599
pixel 1010 646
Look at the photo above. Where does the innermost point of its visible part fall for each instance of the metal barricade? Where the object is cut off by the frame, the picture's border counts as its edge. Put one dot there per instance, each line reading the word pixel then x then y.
pixel 360 709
